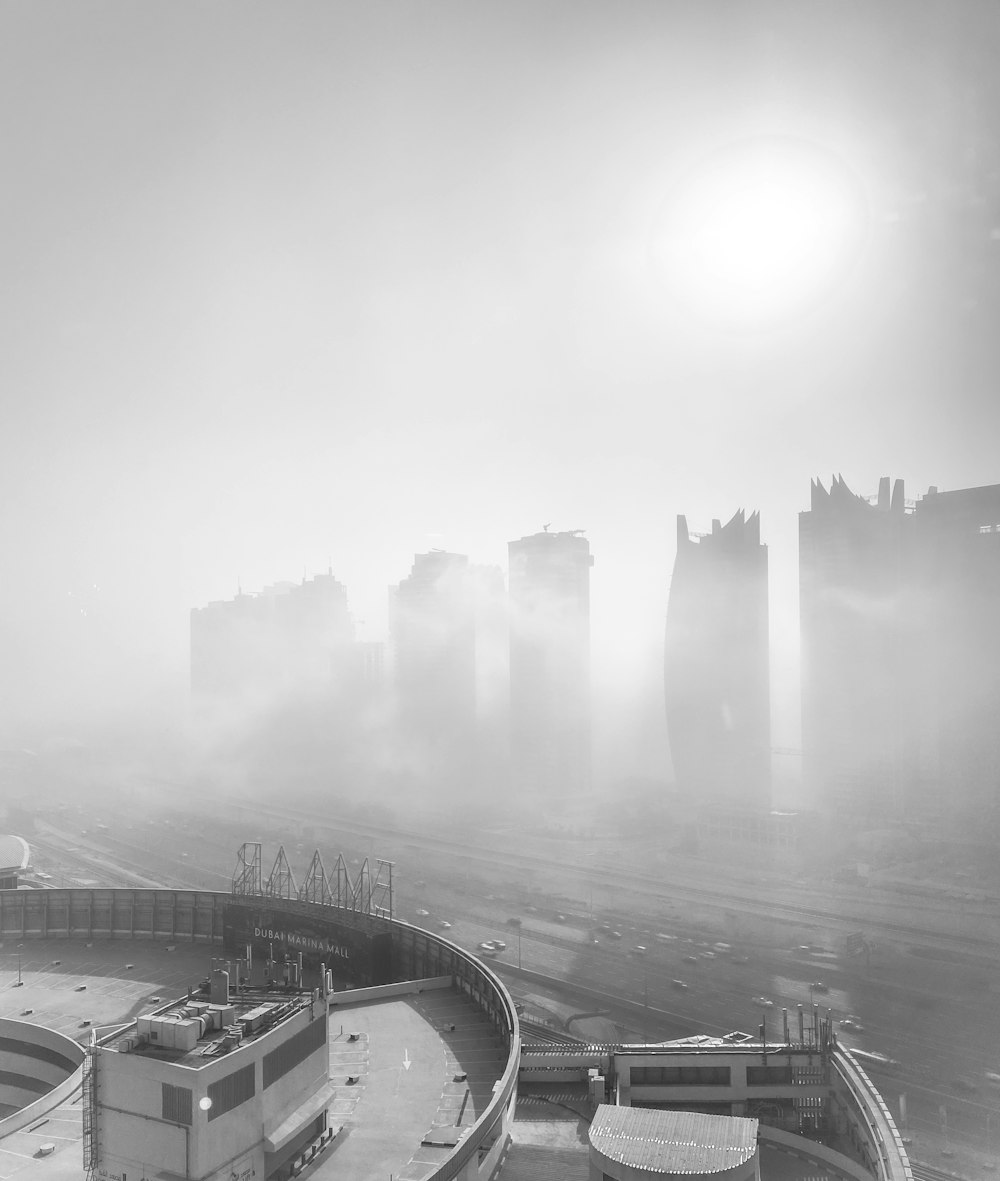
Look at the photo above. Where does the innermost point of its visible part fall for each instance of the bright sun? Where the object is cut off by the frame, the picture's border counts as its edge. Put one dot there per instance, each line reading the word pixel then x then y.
pixel 759 231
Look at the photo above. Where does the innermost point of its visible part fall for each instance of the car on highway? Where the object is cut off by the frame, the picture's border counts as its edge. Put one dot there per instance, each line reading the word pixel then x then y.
pixel 764 1001
pixel 991 1075
pixel 852 1025
pixel 513 921
pixel 639 949
pixel 423 913
pixel 678 984
pixel 739 959
pixel 444 925
pixel 818 986
pixel 663 937
pixel 690 959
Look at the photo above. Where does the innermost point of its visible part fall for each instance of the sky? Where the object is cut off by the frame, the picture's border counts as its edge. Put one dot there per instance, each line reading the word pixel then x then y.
pixel 322 285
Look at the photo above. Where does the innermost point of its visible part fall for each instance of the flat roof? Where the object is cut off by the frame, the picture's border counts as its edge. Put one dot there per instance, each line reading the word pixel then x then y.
pixel 420 1072
pixel 256 1011
pixel 673 1141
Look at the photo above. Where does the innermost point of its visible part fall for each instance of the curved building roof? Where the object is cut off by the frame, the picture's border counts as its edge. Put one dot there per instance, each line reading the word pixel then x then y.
pixel 672 1142
pixel 14 853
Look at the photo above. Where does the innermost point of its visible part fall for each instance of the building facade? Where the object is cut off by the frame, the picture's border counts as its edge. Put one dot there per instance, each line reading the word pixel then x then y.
pixel 900 661
pixel 288 638
pixel 716 666
pixel 550 709
pixel 432 626
pixel 209 1091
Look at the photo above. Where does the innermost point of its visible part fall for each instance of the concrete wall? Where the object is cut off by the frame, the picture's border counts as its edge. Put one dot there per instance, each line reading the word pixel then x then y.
pixel 132 1132
pixel 358 996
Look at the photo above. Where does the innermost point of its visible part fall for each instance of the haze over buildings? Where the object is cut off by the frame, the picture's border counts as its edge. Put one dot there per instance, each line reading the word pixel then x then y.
pixel 550 693
pixel 327 285
pixel 900 668
pixel 716 664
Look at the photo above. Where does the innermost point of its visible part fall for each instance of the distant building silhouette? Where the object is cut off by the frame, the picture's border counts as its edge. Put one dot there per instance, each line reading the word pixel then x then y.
pixel 549 588
pixel 432 625
pixel 716 667
pixel 852 579
pixel 900 651
pixel 954 703
pixel 260 647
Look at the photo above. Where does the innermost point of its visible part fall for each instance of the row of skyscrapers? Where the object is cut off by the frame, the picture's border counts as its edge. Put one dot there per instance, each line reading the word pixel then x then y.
pixel 481 679
pixel 900 676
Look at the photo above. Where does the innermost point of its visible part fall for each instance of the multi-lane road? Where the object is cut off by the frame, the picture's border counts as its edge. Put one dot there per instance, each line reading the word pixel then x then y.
pixel 922 997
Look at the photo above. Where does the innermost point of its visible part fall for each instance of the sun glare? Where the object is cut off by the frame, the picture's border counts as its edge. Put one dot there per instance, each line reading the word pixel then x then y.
pixel 759 231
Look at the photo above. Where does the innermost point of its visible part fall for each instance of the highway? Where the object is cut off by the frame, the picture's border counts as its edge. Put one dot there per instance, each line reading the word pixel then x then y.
pixel 922 997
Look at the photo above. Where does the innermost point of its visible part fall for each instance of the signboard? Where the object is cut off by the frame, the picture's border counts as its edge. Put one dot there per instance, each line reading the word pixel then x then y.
pixel 350 953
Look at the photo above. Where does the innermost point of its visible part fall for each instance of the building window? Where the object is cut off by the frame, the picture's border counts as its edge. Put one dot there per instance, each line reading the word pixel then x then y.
pixel 297 1049
pixel 679 1076
pixel 231 1091
pixel 769 1076
pixel 177 1104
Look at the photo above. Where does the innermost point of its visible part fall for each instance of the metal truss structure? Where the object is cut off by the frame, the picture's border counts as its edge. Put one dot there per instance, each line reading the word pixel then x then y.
pixel 363 894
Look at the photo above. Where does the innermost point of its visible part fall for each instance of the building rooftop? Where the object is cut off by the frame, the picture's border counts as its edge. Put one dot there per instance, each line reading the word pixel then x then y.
pixel 14 853
pixel 409 1075
pixel 194 1032
pixel 673 1141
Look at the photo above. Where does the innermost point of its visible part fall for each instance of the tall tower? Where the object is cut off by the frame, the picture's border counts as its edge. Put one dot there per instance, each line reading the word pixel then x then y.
pixel 716 665
pixel 549 592
pixel 433 636
pixel 858 634
pixel 955 694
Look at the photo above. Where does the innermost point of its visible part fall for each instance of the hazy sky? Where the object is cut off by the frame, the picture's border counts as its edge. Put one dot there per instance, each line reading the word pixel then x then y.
pixel 306 284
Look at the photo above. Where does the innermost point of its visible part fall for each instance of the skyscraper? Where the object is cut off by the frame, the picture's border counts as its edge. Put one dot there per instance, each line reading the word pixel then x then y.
pixel 716 667
pixel 260 647
pixel 900 652
pixel 433 638
pixel 549 591
pixel 855 644
pixel 955 701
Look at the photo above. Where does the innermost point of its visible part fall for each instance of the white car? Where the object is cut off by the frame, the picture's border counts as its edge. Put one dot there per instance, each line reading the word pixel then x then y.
pixel 423 913
pixel 764 1001
pixel 444 925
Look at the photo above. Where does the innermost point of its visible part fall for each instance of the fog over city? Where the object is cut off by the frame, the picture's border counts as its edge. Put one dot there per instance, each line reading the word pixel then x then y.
pixel 325 286
pixel 550 446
